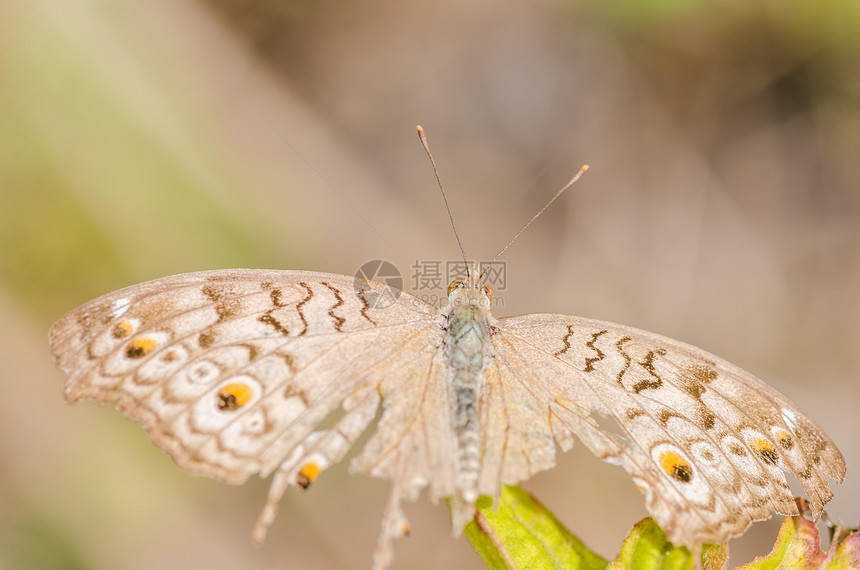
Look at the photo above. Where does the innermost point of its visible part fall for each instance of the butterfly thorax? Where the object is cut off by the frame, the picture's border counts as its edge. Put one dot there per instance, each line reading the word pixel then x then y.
pixel 467 339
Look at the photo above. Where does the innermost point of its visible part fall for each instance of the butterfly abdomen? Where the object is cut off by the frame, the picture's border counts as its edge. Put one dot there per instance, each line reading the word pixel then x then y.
pixel 466 346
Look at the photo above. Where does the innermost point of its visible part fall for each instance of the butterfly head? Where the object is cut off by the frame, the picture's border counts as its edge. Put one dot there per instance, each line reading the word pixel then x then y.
pixel 471 290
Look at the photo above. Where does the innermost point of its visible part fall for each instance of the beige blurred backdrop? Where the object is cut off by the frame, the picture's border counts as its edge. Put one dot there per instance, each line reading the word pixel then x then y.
pixel 140 139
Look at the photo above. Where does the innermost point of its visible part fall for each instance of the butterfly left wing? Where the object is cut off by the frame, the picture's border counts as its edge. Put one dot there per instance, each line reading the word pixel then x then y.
pixel 239 372
pixel 706 442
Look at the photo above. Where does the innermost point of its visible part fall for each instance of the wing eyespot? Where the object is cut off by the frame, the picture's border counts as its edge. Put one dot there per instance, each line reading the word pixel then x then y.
pixel 140 347
pixel 233 396
pixel 676 466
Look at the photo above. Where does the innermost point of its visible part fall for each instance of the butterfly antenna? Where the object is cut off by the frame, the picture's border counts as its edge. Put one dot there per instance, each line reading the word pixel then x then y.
pixel 582 170
pixel 444 197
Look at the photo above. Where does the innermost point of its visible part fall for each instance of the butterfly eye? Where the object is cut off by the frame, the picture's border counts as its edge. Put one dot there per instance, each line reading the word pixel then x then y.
pixel 455 284
pixel 488 291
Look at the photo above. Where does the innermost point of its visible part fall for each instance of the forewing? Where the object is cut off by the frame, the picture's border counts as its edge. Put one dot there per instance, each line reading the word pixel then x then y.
pixel 706 442
pixel 231 371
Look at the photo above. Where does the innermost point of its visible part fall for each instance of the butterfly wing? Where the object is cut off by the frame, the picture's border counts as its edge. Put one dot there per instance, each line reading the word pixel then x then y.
pixel 706 442
pixel 229 371
pixel 233 372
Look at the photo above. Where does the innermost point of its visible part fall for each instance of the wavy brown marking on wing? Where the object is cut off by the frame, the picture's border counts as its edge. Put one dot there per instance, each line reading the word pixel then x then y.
pixel 302 303
pixel 648 364
pixel 633 413
pixel 693 379
pixel 665 415
pixel 253 351
pixel 566 347
pixel 267 319
pixel 704 373
pixel 206 339
pixel 706 418
pixel 692 387
pixel 228 309
pixel 226 306
pixel 338 320
pixel 365 305
pixel 620 347
pixel 292 391
pixel 288 359
pixel 275 295
pixel 590 362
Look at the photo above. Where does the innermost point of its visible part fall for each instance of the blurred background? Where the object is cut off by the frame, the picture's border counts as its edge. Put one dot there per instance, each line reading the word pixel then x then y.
pixel 140 139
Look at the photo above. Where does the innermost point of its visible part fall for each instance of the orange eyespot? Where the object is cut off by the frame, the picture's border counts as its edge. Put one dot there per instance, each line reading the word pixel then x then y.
pixel 676 466
pixel 141 347
pixel 308 474
pixel 233 396
pixel 122 330
pixel 488 291
pixel 785 441
pixel 455 284
pixel 766 450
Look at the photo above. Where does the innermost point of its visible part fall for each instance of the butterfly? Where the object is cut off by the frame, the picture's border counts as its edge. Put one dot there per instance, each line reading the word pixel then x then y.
pixel 232 373
pixel 245 372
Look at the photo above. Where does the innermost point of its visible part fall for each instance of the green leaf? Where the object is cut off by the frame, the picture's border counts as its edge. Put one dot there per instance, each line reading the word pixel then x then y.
pixel 648 548
pixel 521 533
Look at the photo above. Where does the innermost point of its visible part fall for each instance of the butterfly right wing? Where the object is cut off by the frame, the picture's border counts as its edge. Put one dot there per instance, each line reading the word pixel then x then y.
pixel 705 441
